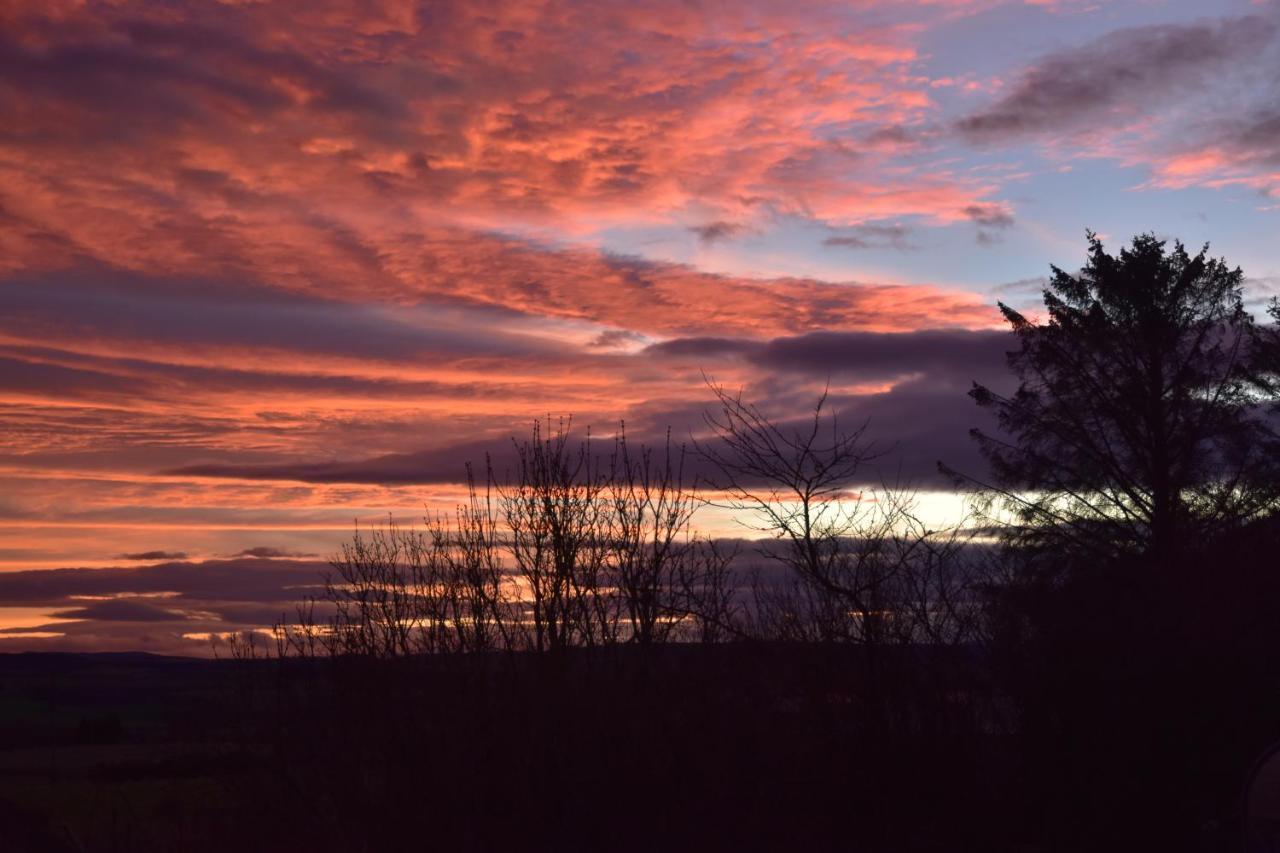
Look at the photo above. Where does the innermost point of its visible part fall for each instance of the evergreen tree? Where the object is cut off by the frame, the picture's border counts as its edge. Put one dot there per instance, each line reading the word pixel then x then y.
pixel 1138 425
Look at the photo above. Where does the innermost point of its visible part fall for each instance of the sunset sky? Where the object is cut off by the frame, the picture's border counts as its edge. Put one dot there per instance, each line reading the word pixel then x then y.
pixel 265 271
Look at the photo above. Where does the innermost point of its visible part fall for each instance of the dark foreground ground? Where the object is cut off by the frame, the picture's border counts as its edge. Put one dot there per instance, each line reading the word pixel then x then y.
pixel 678 748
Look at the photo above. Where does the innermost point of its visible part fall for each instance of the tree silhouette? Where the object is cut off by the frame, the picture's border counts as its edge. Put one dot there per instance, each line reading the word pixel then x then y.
pixel 862 565
pixel 1137 426
pixel 650 508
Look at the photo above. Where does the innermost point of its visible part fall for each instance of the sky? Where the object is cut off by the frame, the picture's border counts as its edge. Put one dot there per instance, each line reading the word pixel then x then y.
pixel 270 269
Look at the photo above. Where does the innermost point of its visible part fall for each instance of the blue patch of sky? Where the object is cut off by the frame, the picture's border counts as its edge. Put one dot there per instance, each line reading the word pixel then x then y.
pixel 1052 205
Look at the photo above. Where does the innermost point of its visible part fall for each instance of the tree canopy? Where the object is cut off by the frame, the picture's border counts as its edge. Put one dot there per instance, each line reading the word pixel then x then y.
pixel 1138 425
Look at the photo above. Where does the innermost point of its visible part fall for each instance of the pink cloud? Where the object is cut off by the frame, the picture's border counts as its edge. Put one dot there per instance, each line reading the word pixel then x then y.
pixel 481 113
pixel 233 235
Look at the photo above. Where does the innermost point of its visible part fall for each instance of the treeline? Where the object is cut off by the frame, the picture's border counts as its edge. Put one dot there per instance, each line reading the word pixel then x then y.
pixel 1085 663
pixel 564 662
pixel 579 548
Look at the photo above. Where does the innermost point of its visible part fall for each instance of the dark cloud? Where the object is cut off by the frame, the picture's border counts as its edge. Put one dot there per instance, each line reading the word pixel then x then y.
pixel 713 232
pixel 894 135
pixel 154 555
pixel 913 426
pixel 137 308
pixel 870 236
pixel 990 219
pixel 30 376
pixel 122 610
pixel 917 425
pixel 923 419
pixel 243 580
pixel 867 355
pixel 127 87
pixel 1122 73
pixel 936 353
pixel 441 465
pixel 1023 288
pixel 932 371
pixel 266 552
pixel 1259 135
pixel 989 215
pixel 67 374
pixel 137 74
pixel 703 347
pixel 167 609
pixel 616 338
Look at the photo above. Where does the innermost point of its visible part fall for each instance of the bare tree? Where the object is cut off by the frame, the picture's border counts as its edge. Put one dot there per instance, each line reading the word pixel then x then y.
pixel 474 586
pixel 794 483
pixel 863 567
pixel 576 550
pixel 395 592
pixel 706 592
pixel 651 508
pixel 378 591
pixel 557 515
pixel 939 587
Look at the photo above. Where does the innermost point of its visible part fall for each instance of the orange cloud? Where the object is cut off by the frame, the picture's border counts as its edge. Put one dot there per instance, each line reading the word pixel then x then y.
pixel 492 113
pixel 233 236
